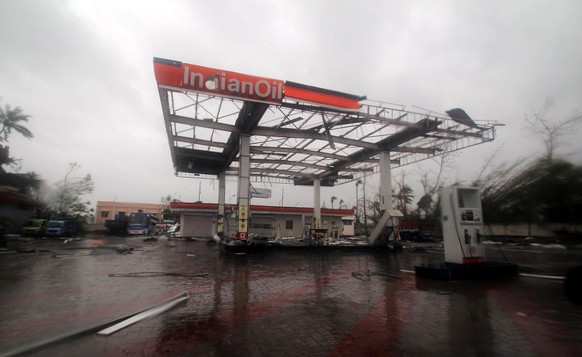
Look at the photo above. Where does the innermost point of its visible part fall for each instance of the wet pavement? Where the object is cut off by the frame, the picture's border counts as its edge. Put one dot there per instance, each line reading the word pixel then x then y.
pixel 279 303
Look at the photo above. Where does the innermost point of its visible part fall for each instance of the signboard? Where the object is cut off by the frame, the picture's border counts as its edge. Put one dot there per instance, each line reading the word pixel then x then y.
pixel 218 81
pixel 260 192
pixel 175 74
pixel 328 98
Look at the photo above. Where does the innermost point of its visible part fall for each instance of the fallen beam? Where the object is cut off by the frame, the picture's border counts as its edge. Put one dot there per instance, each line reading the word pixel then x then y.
pixel 82 331
pixel 153 311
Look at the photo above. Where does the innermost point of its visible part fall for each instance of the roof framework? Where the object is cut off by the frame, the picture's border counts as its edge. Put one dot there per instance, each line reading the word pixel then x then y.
pixel 294 142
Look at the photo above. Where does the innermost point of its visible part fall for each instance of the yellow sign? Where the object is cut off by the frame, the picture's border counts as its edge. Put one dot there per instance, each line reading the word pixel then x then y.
pixel 243 211
pixel 243 215
pixel 242 226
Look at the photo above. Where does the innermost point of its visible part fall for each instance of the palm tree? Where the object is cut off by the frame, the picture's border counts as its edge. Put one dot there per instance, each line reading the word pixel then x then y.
pixel 10 119
pixel 5 158
pixel 404 198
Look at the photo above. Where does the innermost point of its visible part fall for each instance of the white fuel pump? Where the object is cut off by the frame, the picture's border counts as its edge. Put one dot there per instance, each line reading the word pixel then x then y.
pixel 462 220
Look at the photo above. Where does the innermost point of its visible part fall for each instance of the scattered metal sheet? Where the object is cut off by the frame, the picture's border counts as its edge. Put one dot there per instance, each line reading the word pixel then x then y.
pixel 155 273
pixel 387 275
pixel 538 276
pixel 28 348
pixel 153 311
pixel 365 276
pixel 407 271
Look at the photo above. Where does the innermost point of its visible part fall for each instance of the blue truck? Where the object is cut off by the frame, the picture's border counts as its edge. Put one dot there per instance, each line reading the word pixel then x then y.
pixel 61 227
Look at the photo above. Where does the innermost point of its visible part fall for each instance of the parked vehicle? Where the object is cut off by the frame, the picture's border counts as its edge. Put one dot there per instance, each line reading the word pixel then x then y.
pixel 141 223
pixel 117 226
pixel 61 227
pixel 34 227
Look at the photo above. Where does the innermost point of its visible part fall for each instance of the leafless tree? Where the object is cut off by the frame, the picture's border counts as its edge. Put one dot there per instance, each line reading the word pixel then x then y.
pixel 487 167
pixel 431 181
pixel 551 131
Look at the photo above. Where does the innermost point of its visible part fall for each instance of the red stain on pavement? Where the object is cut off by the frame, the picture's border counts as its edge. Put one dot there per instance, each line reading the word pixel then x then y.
pixel 186 336
pixel 377 332
pixel 547 336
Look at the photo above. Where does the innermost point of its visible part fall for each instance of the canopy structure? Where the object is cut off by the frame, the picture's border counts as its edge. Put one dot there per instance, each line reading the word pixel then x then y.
pixel 297 132
pixel 223 123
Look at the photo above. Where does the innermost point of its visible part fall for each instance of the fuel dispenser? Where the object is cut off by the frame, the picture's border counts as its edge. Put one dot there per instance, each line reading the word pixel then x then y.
pixel 462 222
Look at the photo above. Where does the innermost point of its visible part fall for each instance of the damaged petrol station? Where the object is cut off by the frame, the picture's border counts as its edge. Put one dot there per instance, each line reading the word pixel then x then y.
pixel 263 130
pixel 113 295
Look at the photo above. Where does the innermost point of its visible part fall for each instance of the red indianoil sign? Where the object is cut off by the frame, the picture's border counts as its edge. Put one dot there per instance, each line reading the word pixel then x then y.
pixel 175 74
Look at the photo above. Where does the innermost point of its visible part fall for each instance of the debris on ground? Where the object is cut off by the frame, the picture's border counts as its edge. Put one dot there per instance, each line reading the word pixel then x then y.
pixel 366 275
pixel 387 275
pixel 99 328
pixel 150 312
pixel 60 255
pixel 156 273
pixel 20 244
pixel 121 248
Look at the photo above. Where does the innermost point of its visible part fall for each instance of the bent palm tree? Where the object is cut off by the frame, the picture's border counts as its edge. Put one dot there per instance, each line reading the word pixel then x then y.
pixel 11 119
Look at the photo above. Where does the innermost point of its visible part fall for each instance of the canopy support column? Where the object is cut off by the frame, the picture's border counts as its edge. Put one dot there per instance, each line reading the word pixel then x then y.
pixel 221 202
pixel 316 203
pixel 385 181
pixel 389 216
pixel 243 187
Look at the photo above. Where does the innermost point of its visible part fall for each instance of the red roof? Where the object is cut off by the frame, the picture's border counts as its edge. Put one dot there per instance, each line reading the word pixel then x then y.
pixel 15 198
pixel 260 208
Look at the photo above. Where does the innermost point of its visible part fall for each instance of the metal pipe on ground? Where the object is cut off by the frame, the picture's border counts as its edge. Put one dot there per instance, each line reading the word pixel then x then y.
pixel 98 327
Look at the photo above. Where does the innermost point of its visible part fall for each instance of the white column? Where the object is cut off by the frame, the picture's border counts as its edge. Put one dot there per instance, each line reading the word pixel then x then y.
pixel 316 203
pixel 221 201
pixel 243 187
pixel 385 181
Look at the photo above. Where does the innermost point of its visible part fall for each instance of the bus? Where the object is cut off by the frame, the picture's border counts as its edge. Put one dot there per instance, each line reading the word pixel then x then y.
pixel 141 223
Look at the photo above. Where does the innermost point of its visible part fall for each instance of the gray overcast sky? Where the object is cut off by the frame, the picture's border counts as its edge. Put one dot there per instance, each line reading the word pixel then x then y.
pixel 83 70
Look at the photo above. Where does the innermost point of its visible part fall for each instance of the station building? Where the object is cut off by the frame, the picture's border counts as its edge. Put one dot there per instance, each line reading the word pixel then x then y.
pixel 200 220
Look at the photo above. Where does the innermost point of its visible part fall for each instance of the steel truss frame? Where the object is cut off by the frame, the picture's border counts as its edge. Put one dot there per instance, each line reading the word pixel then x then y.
pixel 297 142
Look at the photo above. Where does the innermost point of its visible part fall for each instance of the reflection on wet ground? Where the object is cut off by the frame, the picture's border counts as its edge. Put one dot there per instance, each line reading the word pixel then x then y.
pixel 279 303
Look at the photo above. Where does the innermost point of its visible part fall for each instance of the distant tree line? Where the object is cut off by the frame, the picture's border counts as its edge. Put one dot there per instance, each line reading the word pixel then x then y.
pixel 545 190
pixel 540 191
pixel 63 199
